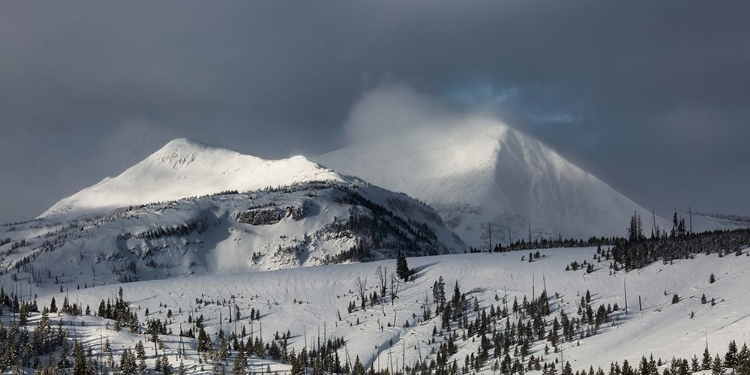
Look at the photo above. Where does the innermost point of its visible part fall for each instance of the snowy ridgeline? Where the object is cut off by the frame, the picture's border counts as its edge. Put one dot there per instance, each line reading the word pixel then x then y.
pixel 305 224
pixel 499 310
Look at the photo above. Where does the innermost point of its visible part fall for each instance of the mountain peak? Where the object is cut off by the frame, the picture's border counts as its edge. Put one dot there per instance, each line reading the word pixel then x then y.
pixel 480 172
pixel 185 145
pixel 181 152
pixel 185 168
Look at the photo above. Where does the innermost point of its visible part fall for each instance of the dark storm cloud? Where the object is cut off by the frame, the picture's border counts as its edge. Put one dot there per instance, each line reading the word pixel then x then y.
pixel 651 97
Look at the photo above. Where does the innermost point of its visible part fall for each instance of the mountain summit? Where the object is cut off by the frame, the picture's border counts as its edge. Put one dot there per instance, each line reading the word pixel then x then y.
pixel 484 173
pixel 186 168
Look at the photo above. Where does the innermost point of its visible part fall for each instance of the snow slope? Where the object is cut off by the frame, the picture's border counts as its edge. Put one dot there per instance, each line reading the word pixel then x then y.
pixel 303 224
pixel 187 168
pixel 307 302
pixel 702 222
pixel 481 171
pixel 192 209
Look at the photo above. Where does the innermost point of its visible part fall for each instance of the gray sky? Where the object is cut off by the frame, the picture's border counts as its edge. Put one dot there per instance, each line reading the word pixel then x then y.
pixel 652 97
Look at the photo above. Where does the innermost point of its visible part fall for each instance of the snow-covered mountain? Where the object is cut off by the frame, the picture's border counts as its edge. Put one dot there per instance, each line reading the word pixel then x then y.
pixel 190 264
pixel 482 171
pixel 191 209
pixel 186 168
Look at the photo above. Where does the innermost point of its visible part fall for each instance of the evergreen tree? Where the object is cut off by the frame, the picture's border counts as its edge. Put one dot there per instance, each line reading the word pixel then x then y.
pixel 706 363
pixel 456 301
pixel 140 354
pixel 127 363
pixel 166 368
pixel 553 337
pixel 635 231
pixel 438 291
pixel 643 367
pixel 695 365
pixel 79 361
pixel 730 359
pixel 358 369
pixel 681 228
pixel 567 370
pixel 204 341
pixel 402 268
pixel 239 363
pixel 718 366
pixel 743 361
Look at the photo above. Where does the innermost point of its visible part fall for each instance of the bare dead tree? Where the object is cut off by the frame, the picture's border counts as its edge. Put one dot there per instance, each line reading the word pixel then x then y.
pixel 395 283
pixel 382 274
pixel 362 290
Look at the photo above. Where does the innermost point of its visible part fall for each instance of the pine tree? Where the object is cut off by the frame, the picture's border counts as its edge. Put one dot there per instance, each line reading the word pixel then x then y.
pixel 643 367
pixel 635 231
pixel 743 361
pixel 730 359
pixel 446 317
pixel 358 369
pixel 553 337
pixel 567 370
pixel 204 341
pixel 681 228
pixel 239 363
pixel 706 363
pixel 166 368
pixel 127 363
pixel 79 361
pixel 456 301
pixel 402 268
pixel 438 291
pixel 718 366
pixel 140 353
pixel 695 365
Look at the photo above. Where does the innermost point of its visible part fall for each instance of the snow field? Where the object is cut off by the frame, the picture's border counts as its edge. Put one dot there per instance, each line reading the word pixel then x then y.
pixel 306 302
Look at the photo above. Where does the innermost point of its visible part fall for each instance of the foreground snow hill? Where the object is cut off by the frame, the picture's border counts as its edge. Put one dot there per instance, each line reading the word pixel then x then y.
pixel 257 215
pixel 314 304
pixel 481 171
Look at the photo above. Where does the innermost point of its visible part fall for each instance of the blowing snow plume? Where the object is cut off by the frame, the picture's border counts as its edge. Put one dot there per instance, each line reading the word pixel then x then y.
pixel 483 177
pixel 394 111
